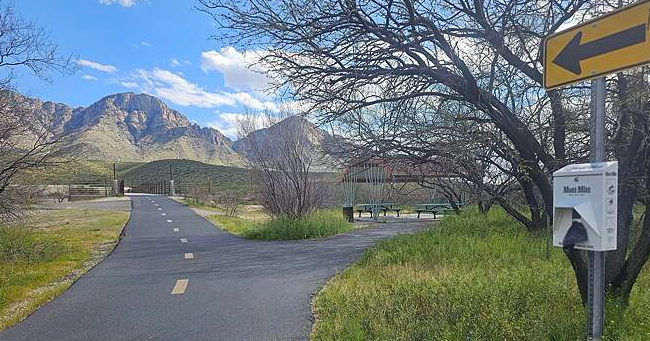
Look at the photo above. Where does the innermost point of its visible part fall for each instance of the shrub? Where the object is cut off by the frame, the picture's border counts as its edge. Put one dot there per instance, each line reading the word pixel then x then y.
pixel 318 224
pixel 228 202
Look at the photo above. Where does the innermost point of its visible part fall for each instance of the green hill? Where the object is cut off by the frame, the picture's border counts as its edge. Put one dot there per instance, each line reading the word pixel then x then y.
pixel 187 172
pixel 83 171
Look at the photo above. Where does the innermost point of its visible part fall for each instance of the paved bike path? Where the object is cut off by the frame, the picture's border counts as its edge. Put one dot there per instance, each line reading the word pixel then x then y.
pixel 236 289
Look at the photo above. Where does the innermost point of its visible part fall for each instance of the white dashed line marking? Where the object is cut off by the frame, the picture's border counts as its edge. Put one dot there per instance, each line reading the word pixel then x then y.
pixel 159 209
pixel 183 240
pixel 189 255
pixel 164 214
pixel 169 221
pixel 156 204
pixel 180 287
pixel 175 229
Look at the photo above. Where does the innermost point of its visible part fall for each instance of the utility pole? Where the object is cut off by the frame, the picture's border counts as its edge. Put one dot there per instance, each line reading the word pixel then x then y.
pixel 172 188
pixel 596 259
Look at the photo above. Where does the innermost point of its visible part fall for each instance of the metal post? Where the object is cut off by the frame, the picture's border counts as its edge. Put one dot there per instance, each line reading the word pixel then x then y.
pixel 549 236
pixel 596 259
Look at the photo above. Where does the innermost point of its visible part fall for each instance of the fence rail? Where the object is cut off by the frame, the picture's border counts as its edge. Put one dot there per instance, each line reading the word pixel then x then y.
pixel 90 190
pixel 153 187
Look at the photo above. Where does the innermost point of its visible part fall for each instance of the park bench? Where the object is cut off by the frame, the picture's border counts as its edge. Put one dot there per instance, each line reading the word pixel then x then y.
pixel 385 207
pixel 435 208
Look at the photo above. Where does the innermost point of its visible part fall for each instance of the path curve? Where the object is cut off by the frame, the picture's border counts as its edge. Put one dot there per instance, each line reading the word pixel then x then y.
pixel 236 289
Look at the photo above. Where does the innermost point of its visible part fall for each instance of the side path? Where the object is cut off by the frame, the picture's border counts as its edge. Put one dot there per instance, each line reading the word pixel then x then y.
pixel 174 276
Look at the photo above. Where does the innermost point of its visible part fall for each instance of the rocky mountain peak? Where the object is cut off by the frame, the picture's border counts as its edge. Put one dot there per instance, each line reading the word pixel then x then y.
pixel 140 127
pixel 263 142
pixel 140 114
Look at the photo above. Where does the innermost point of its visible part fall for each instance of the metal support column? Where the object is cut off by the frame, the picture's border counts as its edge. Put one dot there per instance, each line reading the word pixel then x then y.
pixel 596 259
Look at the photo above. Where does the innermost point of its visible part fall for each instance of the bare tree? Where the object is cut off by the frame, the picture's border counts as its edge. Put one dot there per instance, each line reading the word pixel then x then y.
pixel 484 56
pixel 229 202
pixel 28 141
pixel 281 168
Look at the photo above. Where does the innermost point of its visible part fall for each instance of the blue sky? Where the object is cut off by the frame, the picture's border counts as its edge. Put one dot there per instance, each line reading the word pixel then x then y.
pixel 160 47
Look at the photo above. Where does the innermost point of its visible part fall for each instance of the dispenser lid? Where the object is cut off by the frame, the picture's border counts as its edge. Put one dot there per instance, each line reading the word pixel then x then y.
pixel 586 168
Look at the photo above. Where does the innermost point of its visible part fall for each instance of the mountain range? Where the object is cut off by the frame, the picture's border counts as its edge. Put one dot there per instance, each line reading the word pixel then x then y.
pixel 140 127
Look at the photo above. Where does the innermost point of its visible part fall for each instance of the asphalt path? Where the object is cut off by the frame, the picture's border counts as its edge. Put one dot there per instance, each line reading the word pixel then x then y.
pixel 174 276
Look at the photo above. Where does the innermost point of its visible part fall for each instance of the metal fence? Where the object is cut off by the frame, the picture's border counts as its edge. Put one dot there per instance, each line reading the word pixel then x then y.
pixel 186 189
pixel 97 188
pixel 154 187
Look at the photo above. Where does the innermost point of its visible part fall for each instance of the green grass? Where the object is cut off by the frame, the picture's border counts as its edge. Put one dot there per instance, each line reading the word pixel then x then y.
pixel 40 260
pixel 81 171
pixel 320 224
pixel 470 278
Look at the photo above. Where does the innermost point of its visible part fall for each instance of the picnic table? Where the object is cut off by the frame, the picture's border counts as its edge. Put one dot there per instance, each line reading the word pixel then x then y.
pixel 384 207
pixel 435 208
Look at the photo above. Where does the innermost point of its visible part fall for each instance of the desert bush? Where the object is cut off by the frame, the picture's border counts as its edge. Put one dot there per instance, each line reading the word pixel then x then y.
pixel 228 202
pixel 318 224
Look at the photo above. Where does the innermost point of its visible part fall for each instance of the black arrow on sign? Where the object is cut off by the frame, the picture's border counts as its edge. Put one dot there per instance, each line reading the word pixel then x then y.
pixel 574 52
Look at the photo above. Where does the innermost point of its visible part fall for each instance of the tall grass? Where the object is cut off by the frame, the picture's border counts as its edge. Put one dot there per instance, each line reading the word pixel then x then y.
pixel 319 224
pixel 23 245
pixel 472 277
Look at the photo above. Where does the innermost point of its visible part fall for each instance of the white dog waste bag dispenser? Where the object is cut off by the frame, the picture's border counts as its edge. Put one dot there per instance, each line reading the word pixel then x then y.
pixel 584 199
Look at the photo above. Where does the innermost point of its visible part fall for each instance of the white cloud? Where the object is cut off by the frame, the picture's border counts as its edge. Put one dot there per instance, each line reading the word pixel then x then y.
pixel 226 122
pixel 88 77
pixel 174 62
pixel 240 70
pixel 123 3
pixel 227 128
pixel 97 66
pixel 176 89
pixel 129 84
pixel 248 100
pixel 145 43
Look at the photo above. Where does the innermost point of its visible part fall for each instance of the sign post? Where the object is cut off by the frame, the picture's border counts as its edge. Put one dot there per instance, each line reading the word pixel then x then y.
pixel 596 259
pixel 613 42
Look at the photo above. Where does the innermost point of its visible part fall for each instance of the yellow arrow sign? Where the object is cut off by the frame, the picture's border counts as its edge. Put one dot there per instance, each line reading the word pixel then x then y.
pixel 615 41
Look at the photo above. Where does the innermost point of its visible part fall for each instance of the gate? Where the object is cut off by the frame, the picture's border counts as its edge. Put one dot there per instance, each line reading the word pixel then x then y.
pixel 154 187
pixel 89 189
